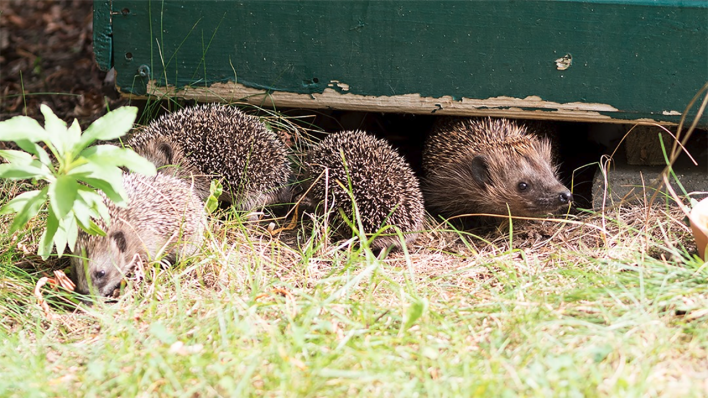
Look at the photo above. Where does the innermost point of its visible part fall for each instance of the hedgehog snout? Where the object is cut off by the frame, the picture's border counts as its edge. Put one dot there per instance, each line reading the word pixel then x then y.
pixel 565 197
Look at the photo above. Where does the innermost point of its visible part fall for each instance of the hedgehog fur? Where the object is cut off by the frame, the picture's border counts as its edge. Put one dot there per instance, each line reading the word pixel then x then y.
pixel 223 141
pixel 490 166
pixel 385 190
pixel 164 216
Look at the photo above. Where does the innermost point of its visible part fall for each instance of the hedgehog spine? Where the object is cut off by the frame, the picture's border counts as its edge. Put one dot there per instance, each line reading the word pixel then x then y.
pixel 385 190
pixel 223 141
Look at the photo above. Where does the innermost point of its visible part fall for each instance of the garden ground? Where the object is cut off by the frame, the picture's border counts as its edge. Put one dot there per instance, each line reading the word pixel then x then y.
pixel 611 303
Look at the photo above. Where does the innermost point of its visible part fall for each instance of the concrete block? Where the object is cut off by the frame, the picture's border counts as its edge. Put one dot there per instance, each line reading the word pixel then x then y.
pixel 635 183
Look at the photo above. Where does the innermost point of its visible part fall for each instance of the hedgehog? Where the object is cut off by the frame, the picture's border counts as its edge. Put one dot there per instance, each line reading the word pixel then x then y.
pixel 164 216
pixel 169 158
pixel 221 140
pixel 490 166
pixel 384 188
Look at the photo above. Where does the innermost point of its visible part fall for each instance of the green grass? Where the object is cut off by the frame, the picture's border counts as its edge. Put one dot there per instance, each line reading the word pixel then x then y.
pixel 576 314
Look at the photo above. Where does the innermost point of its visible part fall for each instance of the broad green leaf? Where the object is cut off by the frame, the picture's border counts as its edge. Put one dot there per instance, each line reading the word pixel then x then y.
pixel 117 195
pixel 102 211
pixel 16 157
pixel 22 128
pixel 112 125
pixel 51 122
pixel 137 163
pixel 73 136
pixel 61 236
pixel 94 229
pixel 15 171
pixel 18 202
pixel 95 202
pixel 37 150
pixel 55 128
pixel 107 179
pixel 28 146
pixel 83 217
pixel 83 212
pixel 72 231
pixel 43 156
pixel 110 155
pixel 47 240
pixel 62 194
pixel 26 206
pixel 86 169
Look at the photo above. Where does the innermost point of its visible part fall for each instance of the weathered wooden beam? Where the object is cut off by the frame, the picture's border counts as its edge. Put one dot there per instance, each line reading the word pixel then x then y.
pixel 570 60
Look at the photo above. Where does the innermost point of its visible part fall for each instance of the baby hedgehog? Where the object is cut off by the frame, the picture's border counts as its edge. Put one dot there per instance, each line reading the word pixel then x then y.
pixel 484 165
pixel 163 216
pixel 169 157
pixel 221 140
pixel 383 186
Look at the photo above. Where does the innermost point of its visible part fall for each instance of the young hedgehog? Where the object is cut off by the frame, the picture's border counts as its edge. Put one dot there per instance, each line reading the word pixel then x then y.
pixel 221 140
pixel 163 216
pixel 484 165
pixel 384 188
pixel 169 157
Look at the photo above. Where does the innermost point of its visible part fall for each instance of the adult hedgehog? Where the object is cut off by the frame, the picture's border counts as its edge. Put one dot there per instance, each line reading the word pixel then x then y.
pixel 222 141
pixel 492 166
pixel 383 186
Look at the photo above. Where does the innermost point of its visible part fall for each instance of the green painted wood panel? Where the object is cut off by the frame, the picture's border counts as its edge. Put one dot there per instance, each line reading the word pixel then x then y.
pixel 102 34
pixel 629 60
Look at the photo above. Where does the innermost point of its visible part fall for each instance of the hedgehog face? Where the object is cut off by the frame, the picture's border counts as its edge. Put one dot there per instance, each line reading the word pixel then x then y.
pixel 105 264
pixel 169 158
pixel 524 180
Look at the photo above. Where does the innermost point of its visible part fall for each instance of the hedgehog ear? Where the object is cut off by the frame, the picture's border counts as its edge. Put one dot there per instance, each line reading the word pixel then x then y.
pixel 480 170
pixel 119 239
pixel 167 151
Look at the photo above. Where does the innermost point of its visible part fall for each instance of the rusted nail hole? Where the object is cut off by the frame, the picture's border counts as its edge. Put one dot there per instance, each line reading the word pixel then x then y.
pixel 129 56
pixel 315 80
pixel 125 11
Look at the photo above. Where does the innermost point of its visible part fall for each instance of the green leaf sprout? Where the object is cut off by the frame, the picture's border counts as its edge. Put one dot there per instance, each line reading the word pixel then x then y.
pixel 62 158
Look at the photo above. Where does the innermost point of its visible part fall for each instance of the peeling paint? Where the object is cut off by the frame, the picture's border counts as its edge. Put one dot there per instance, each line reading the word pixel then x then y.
pixel 340 85
pixel 671 113
pixel 564 62
pixel 531 107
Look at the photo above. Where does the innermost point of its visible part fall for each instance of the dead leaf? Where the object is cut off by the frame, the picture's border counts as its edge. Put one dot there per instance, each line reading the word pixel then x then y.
pixel 40 299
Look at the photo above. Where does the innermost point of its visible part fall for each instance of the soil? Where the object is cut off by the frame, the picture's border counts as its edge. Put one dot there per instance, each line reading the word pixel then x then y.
pixel 46 53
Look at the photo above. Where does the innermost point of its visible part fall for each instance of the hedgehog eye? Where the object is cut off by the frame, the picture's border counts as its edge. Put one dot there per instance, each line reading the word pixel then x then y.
pixel 523 186
pixel 99 274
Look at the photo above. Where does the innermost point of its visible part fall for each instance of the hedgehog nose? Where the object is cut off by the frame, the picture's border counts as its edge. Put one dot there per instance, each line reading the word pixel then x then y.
pixel 565 197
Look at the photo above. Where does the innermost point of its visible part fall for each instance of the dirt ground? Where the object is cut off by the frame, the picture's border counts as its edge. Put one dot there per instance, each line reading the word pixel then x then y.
pixel 46 53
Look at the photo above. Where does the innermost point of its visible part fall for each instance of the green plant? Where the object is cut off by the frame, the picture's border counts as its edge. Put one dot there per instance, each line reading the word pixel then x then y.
pixel 215 191
pixel 71 172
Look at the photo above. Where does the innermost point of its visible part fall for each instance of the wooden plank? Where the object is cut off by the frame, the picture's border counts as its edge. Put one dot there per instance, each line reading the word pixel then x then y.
pixel 102 34
pixel 577 60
